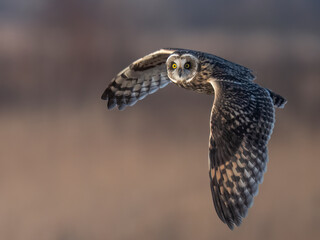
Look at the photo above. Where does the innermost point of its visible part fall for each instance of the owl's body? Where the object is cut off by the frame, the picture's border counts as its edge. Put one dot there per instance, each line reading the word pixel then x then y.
pixel 242 118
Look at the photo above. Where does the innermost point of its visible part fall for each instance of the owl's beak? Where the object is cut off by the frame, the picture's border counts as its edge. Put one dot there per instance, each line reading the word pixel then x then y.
pixel 179 72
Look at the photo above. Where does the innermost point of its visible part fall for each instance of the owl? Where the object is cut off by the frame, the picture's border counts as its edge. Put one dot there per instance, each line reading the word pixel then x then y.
pixel 241 122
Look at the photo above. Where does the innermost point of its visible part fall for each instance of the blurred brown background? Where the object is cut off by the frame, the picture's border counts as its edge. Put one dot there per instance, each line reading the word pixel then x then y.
pixel 70 169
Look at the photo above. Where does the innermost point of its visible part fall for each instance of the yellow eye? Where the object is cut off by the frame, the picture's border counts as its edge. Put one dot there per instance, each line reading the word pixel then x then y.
pixel 187 65
pixel 174 66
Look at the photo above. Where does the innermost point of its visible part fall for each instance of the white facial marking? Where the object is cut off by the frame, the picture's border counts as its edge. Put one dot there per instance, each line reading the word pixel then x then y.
pixel 180 72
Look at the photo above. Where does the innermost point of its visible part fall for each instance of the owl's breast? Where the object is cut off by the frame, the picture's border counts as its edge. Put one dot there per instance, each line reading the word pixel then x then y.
pixel 198 86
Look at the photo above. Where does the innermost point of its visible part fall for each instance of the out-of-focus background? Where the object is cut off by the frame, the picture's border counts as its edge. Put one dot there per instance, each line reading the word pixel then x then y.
pixel 70 169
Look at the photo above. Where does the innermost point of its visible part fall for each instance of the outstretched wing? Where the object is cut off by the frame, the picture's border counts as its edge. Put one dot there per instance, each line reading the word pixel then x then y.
pixel 242 120
pixel 142 77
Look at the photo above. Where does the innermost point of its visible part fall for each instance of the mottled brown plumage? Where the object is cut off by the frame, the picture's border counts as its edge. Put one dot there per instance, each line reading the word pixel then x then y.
pixel 241 124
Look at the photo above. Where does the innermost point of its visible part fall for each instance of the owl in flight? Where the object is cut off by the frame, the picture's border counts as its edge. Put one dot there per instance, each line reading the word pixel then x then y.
pixel 242 118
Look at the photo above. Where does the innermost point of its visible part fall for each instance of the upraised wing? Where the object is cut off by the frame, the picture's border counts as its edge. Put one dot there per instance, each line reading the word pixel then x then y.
pixel 242 120
pixel 142 77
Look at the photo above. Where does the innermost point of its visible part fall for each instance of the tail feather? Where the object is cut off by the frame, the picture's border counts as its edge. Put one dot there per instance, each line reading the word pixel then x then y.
pixel 278 101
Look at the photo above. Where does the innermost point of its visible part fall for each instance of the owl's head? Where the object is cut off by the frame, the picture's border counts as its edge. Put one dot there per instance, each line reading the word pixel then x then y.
pixel 182 67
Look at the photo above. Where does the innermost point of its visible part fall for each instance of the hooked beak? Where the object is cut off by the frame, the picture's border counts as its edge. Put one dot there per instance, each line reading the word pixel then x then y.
pixel 180 72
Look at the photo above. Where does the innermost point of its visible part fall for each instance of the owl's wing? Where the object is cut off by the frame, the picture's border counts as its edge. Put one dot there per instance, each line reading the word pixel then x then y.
pixel 142 77
pixel 242 120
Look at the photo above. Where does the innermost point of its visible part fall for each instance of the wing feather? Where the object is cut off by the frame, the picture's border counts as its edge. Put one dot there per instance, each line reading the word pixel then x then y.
pixel 141 78
pixel 242 120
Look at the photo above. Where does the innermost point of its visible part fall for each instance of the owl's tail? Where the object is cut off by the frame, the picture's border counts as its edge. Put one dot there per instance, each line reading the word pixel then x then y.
pixel 278 101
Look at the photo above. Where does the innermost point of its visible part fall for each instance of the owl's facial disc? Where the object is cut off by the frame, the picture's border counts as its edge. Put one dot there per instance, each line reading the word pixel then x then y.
pixel 182 68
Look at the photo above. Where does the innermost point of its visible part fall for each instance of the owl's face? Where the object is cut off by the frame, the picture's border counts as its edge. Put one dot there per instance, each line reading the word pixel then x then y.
pixel 182 67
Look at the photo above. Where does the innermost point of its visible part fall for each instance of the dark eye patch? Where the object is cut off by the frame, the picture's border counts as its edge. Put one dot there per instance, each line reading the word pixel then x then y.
pixel 173 65
pixel 187 65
